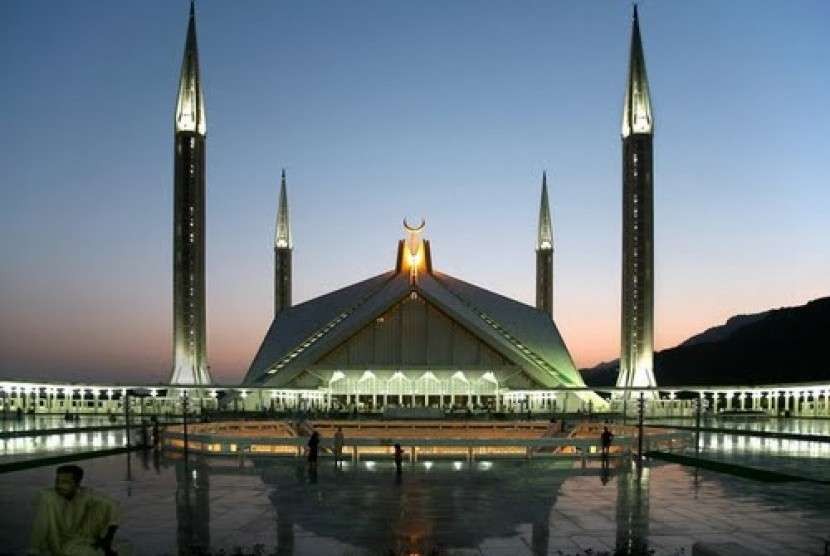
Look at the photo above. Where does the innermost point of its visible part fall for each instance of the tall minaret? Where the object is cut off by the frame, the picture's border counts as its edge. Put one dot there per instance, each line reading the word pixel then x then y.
pixel 637 333
pixel 282 254
pixel 189 342
pixel 544 254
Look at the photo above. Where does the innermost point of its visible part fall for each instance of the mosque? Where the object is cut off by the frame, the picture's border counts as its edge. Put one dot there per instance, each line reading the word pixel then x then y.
pixel 412 336
pixel 416 337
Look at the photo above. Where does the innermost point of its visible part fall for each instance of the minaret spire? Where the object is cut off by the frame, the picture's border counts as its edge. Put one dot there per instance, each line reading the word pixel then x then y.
pixel 190 105
pixel 544 254
pixel 637 115
pixel 189 312
pixel 282 236
pixel 637 318
pixel 545 236
pixel 282 253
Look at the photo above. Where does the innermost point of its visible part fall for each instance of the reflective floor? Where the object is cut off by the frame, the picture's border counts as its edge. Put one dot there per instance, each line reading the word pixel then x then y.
pixel 804 458
pixel 764 424
pixel 32 447
pixel 40 422
pixel 496 507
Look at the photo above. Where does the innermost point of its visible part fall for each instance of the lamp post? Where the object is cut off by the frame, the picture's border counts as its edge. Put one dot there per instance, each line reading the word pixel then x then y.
pixel 640 410
pixel 184 421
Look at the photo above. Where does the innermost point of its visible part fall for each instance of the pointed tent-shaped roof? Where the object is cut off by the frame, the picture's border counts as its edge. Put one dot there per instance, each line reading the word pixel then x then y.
pixel 282 236
pixel 637 111
pixel 302 335
pixel 190 103
pixel 545 235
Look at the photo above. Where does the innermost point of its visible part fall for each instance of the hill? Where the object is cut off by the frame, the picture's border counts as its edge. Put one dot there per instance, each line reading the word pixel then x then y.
pixel 780 345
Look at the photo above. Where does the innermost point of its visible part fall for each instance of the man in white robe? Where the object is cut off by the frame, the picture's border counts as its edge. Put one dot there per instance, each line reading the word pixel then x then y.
pixel 71 520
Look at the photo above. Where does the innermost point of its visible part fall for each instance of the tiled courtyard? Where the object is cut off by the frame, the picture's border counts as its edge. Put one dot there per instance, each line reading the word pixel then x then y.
pixel 487 507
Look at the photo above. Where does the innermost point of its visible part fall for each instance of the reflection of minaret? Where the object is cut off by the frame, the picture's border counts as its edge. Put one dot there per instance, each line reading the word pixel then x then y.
pixel 282 254
pixel 189 342
pixel 544 254
pixel 193 507
pixel 637 331
pixel 632 509
pixel 540 535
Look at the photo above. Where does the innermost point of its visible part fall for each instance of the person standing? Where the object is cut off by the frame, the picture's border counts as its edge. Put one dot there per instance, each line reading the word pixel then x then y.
pixel 605 438
pixel 398 459
pixel 313 447
pixel 338 446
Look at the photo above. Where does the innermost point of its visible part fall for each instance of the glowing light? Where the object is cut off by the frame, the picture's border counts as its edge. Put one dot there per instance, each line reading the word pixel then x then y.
pixel 490 377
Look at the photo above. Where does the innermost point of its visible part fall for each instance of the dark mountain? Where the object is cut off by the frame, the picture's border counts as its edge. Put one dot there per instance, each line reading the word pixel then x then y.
pixel 723 331
pixel 781 345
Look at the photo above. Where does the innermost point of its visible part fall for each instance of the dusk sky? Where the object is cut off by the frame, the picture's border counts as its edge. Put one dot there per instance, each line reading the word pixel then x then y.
pixel 379 110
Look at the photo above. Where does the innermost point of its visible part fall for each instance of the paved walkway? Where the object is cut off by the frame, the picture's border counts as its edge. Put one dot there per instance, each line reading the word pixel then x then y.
pixel 484 508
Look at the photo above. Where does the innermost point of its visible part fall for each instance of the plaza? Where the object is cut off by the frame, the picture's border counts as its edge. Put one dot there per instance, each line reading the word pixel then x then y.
pixel 521 507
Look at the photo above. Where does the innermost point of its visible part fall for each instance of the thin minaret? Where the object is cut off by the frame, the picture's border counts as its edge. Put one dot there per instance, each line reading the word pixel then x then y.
pixel 544 254
pixel 282 254
pixel 637 331
pixel 189 341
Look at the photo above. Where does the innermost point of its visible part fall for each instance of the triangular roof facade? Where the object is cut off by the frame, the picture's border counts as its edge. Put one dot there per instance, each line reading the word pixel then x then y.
pixel 305 336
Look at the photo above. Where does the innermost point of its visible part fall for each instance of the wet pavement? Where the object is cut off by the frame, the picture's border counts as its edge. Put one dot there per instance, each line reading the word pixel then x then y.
pixel 807 458
pixel 790 425
pixel 33 447
pixel 487 507
pixel 41 422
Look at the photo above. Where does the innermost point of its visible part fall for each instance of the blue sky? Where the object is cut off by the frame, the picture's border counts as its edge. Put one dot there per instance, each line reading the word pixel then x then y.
pixel 380 110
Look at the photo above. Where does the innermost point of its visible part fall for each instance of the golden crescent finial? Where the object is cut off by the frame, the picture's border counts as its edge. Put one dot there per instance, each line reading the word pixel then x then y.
pixel 411 229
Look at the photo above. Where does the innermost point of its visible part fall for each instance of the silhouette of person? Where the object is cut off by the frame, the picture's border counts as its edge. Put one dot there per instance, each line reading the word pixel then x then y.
pixel 605 438
pixel 313 448
pixel 398 459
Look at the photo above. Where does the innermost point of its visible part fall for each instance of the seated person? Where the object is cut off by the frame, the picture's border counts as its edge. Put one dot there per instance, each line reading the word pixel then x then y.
pixel 71 520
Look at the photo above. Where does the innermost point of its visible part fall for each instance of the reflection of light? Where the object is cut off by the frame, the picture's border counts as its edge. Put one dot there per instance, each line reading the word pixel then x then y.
pixel 195 475
pixel 457 465
pixel 485 465
pixel 427 465
pixel 370 465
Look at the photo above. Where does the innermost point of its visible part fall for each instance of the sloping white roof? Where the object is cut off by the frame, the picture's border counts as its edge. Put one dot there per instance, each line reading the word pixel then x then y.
pixel 303 334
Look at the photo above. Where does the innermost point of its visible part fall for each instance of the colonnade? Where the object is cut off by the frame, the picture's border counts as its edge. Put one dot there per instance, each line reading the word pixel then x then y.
pixel 804 401
pixel 801 402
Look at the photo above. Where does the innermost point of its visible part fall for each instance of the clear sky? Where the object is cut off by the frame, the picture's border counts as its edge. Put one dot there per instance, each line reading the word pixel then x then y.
pixel 443 110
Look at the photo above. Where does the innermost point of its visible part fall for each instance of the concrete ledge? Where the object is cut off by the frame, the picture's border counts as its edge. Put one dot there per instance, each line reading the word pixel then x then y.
pixel 56 460
pixel 731 469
